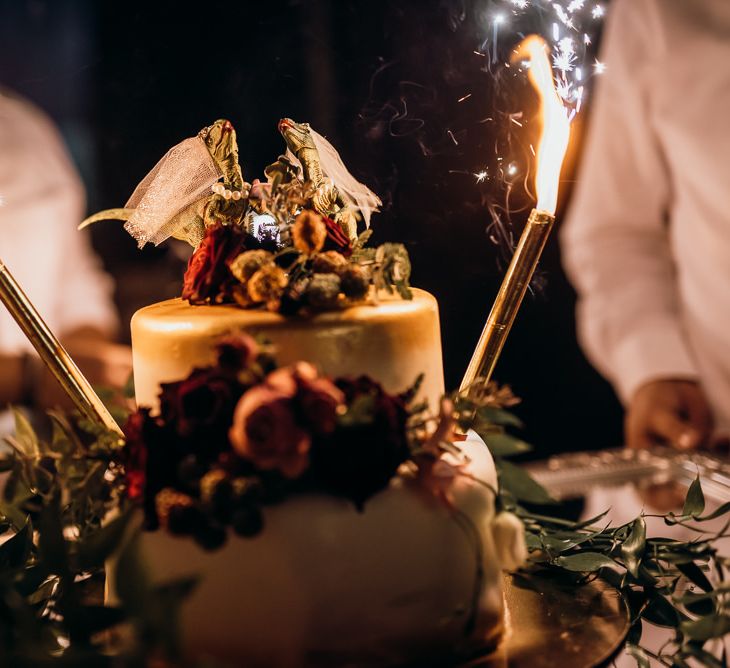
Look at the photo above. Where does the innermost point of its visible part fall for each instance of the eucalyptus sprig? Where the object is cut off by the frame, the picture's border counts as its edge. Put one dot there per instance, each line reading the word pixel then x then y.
pixel 679 585
pixel 61 520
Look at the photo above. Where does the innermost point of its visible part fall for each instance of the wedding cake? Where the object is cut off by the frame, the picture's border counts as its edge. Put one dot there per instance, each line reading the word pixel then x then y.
pixel 333 514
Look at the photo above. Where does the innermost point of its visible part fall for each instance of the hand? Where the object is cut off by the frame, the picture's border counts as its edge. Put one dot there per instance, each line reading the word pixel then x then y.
pixel 105 364
pixel 668 412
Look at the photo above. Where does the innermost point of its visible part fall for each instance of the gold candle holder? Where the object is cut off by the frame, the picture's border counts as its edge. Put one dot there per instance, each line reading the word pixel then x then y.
pixel 52 353
pixel 508 301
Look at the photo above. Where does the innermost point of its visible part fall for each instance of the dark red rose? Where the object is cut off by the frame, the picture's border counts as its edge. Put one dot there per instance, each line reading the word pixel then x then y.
pixel 266 433
pixel 237 352
pixel 336 239
pixel 201 406
pixel 135 453
pixel 207 276
pixel 364 453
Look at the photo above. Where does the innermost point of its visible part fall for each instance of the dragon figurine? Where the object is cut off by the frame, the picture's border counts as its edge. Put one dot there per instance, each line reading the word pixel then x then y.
pixel 188 220
pixel 327 198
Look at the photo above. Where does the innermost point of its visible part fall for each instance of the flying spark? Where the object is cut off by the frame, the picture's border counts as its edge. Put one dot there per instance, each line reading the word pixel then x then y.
pixel 465 97
pixel 598 12
pixel 599 67
pixel 482 176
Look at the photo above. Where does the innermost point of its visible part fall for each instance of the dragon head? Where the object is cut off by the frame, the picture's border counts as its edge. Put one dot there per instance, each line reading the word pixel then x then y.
pixel 220 139
pixel 296 135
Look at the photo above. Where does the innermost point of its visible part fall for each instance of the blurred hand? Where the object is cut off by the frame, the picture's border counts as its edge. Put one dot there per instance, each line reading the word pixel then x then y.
pixel 105 364
pixel 674 413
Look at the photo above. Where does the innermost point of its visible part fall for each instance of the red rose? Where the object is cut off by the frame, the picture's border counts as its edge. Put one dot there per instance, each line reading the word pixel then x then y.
pixel 364 453
pixel 201 405
pixel 207 276
pixel 336 240
pixel 135 454
pixel 265 432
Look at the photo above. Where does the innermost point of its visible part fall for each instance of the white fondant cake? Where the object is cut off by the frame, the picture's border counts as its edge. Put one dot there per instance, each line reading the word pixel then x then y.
pixel 409 579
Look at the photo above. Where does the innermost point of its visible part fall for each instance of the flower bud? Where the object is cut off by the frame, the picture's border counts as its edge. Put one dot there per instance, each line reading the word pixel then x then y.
pixel 508 533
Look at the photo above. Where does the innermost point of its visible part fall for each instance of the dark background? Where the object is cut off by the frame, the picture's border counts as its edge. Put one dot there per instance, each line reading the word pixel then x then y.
pixel 383 81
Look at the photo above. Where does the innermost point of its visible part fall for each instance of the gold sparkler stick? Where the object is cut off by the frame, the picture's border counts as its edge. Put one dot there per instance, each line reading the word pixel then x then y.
pixel 508 301
pixel 551 150
pixel 52 352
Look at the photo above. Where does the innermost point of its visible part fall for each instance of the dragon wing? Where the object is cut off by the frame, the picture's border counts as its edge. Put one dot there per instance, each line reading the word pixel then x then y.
pixel 356 195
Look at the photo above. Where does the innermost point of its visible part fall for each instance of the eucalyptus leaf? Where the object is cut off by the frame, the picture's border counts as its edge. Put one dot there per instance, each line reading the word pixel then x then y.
pixel 128 389
pixel 638 654
pixel 633 548
pixel 13 514
pixel 51 543
pixel 45 591
pixel 718 512
pixel 519 483
pixel 694 503
pixel 499 416
pixel 502 444
pixel 704 657
pixel 705 628
pixel 25 436
pixel 586 562
pixel 661 612
pixel 695 575
pixel 14 551
pixel 95 548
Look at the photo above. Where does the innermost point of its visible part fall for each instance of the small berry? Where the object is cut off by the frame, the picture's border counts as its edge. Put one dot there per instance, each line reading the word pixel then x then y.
pixel 210 536
pixel 246 489
pixel 248 522
pixel 329 262
pixel 167 499
pixel 323 291
pixel 355 282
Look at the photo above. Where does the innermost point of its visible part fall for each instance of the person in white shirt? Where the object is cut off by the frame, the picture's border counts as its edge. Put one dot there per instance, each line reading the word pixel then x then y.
pixel 647 238
pixel 41 203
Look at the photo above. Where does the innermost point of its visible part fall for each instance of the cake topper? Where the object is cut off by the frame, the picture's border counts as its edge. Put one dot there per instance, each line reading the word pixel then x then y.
pixel 288 244
pixel 175 199
pixel 337 193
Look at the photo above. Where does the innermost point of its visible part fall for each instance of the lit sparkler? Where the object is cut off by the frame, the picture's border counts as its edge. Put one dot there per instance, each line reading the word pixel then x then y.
pixel 550 153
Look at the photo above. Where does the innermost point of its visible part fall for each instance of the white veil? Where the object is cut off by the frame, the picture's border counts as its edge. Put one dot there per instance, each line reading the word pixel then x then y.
pixel 355 194
pixel 183 176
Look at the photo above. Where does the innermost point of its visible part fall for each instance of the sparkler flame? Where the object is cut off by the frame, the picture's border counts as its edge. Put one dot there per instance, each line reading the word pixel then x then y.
pixel 555 122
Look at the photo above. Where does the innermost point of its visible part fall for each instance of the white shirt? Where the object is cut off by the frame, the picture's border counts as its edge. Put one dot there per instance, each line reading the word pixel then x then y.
pixel 42 204
pixel 647 240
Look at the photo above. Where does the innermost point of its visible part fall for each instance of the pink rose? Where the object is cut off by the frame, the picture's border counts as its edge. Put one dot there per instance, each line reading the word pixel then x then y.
pixel 266 433
pixel 318 398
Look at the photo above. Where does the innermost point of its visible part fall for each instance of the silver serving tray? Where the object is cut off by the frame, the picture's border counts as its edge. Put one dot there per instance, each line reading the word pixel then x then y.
pixel 571 475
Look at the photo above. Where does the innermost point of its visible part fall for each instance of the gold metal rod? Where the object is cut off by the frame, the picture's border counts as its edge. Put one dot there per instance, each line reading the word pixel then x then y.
pixel 52 353
pixel 508 301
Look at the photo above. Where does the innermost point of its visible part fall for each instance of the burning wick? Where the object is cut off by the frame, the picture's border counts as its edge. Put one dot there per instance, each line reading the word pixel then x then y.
pixel 52 352
pixel 550 153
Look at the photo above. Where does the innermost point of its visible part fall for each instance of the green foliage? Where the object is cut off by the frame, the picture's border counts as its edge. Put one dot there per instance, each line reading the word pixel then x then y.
pixel 392 270
pixel 58 534
pixel 663 581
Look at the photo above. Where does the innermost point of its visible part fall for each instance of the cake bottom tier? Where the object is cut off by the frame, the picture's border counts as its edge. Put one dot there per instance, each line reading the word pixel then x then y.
pixel 409 580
